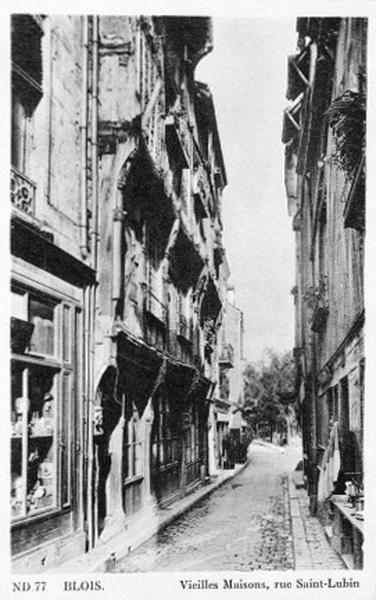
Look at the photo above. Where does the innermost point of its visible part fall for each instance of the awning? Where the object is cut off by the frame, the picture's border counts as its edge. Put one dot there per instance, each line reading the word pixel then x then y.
pixel 139 367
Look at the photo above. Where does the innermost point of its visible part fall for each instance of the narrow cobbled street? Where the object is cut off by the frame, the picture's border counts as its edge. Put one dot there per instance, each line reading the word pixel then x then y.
pixel 244 525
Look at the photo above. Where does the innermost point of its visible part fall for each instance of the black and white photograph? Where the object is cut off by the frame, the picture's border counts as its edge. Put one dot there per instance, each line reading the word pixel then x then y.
pixel 186 241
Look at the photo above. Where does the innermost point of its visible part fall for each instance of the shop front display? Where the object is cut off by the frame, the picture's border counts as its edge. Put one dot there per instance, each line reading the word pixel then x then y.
pixel 42 384
pixel 166 447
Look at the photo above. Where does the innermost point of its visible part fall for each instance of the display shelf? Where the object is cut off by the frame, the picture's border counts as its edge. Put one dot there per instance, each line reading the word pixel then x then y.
pixel 348 513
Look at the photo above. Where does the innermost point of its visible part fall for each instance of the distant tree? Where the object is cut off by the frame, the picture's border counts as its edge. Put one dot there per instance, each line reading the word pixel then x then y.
pixel 269 393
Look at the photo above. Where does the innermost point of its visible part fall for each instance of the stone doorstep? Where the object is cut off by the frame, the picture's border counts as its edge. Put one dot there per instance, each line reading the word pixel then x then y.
pixel 104 558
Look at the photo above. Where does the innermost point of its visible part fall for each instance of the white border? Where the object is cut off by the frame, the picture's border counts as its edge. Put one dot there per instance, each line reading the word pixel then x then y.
pixel 166 585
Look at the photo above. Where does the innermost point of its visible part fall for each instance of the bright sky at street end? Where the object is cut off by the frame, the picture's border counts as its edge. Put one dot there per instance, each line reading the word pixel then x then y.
pixel 247 74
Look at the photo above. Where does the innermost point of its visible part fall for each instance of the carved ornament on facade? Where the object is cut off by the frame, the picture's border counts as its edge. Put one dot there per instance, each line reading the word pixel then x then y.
pixel 22 192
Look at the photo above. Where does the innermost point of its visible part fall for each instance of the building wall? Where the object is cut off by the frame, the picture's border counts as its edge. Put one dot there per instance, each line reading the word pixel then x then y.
pixel 53 143
pixel 234 336
pixel 329 227
pixel 160 287
pixel 123 241
pixel 50 282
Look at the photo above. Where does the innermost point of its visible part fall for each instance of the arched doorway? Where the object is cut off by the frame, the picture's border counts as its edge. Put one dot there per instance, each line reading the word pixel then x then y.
pixel 107 413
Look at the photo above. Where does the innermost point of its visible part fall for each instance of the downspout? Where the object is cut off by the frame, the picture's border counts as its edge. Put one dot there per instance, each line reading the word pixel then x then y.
pixel 92 505
pixel 94 142
pixel 313 502
pixel 87 508
pixel 118 219
pixel 83 128
pixel 88 466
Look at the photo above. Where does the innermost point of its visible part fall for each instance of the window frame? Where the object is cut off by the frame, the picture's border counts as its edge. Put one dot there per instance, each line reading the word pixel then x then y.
pixel 62 369
pixel 27 79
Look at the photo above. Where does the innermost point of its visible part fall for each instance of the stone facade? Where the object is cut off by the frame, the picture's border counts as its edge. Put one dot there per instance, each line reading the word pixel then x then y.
pixel 324 133
pixel 229 421
pixel 119 275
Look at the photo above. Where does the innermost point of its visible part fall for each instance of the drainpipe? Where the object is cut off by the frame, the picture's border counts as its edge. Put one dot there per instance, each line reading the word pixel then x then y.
pixel 87 341
pixel 92 504
pixel 118 218
pixel 83 128
pixel 313 60
pixel 94 142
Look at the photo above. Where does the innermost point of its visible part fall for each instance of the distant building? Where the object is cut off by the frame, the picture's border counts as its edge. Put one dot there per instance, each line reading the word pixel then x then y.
pixel 229 393
pixel 324 137
pixel 118 276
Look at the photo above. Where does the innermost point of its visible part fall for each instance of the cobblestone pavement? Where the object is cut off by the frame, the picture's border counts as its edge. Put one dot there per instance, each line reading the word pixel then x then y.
pixel 243 526
pixel 322 554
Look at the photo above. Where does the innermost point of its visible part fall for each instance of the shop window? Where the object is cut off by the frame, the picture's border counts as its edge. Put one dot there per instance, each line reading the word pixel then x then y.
pixel 165 441
pixel 166 449
pixel 42 415
pixel 132 464
pixel 192 444
pixel 132 447
pixel 42 315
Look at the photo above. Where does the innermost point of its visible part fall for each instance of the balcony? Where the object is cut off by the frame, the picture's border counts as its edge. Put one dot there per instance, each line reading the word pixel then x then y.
pixel 22 192
pixel 226 358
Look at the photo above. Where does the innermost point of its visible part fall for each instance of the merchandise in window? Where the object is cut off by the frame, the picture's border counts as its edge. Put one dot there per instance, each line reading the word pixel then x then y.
pixel 41 403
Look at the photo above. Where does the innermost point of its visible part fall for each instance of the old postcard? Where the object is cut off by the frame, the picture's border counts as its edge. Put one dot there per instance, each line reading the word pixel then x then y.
pixel 186 276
